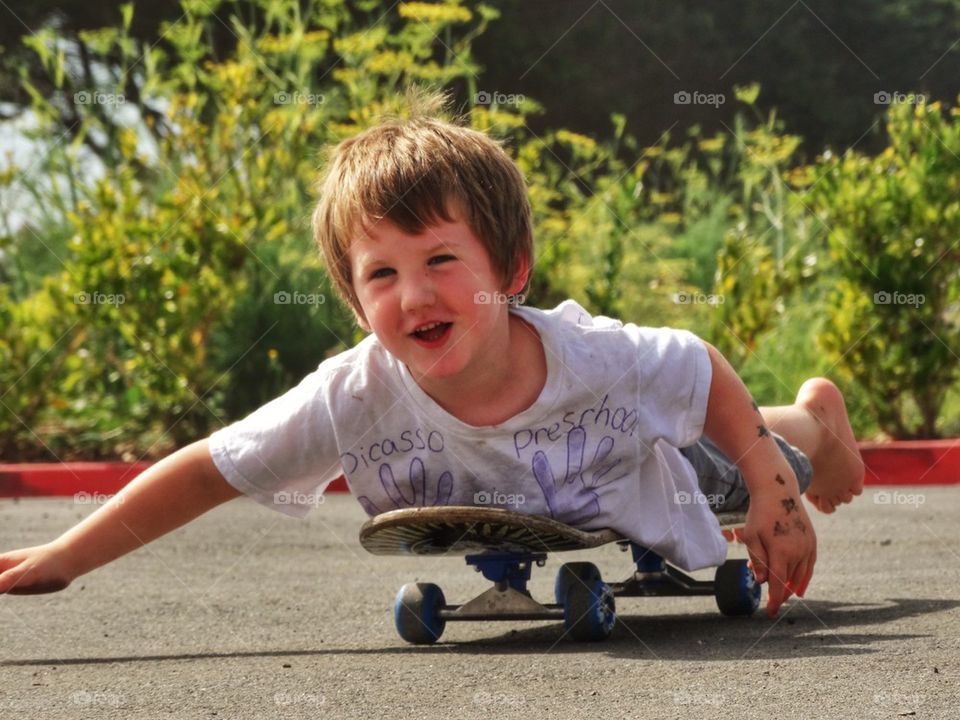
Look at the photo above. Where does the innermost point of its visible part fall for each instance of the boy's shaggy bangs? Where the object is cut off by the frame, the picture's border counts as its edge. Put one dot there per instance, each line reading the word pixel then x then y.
pixel 416 173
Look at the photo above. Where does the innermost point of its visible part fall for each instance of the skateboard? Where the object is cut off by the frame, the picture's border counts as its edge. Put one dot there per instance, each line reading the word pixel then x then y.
pixel 504 545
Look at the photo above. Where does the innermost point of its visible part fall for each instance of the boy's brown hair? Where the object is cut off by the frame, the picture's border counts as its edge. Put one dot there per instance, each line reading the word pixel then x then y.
pixel 416 172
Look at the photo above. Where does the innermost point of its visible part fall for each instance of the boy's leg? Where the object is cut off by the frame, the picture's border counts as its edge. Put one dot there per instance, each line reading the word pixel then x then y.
pixel 818 425
pixel 814 436
pixel 721 481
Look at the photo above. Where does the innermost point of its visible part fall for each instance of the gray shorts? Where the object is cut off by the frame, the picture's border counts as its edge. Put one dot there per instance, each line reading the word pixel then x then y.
pixel 721 481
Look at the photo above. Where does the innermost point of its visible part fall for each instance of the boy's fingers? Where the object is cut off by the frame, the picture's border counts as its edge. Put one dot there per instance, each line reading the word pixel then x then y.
pixel 777 591
pixel 806 579
pixel 758 558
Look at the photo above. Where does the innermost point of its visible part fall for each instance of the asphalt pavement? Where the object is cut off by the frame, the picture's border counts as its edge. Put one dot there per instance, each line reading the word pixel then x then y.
pixel 249 614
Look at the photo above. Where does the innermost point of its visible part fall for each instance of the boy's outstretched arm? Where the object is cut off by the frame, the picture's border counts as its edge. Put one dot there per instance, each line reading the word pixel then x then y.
pixel 778 533
pixel 167 495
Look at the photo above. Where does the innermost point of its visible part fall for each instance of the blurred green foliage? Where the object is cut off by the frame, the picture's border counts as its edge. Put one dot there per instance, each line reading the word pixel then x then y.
pixel 894 223
pixel 171 284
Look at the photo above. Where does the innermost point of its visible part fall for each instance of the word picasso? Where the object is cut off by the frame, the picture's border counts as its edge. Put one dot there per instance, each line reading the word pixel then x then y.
pixel 416 439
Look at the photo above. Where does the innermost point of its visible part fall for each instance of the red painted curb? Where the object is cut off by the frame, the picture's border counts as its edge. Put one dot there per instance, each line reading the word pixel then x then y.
pixel 91 478
pixel 920 462
pixel 916 462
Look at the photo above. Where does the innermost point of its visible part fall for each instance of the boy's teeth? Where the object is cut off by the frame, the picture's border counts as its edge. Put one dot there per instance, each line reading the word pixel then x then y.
pixel 431 326
pixel 433 331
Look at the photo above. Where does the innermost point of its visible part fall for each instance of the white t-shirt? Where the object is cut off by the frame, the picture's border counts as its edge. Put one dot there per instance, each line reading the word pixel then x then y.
pixel 597 449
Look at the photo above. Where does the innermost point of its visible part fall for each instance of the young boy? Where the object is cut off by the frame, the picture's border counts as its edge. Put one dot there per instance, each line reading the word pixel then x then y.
pixel 461 396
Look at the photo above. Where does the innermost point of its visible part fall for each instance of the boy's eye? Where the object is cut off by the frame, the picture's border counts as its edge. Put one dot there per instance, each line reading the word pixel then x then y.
pixel 437 259
pixel 380 273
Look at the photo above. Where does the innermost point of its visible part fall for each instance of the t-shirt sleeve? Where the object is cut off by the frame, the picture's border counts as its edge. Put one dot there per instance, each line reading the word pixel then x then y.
pixel 284 454
pixel 674 384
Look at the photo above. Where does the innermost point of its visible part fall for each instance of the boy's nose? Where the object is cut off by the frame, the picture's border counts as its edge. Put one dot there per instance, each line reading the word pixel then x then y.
pixel 417 293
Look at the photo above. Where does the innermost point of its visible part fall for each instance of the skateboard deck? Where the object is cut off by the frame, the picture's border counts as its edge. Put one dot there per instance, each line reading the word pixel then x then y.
pixel 455 530
pixel 463 530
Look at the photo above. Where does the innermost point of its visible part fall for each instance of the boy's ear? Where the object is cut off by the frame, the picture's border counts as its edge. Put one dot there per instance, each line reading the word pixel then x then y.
pixel 520 277
pixel 362 322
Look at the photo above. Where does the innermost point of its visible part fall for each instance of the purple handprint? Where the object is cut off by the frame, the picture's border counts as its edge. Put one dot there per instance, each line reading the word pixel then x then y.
pixel 418 487
pixel 571 500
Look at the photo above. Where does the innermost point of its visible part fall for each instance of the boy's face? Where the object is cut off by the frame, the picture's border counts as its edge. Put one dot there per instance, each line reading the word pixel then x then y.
pixel 427 297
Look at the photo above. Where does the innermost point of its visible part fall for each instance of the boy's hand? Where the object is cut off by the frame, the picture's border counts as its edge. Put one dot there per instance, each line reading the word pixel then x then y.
pixel 34 570
pixel 782 545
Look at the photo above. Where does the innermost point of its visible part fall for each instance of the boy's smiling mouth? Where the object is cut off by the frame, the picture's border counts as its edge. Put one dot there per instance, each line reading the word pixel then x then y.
pixel 432 334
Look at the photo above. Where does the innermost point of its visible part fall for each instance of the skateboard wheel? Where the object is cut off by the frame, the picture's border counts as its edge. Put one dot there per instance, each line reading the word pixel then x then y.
pixel 589 611
pixel 580 573
pixel 736 589
pixel 416 613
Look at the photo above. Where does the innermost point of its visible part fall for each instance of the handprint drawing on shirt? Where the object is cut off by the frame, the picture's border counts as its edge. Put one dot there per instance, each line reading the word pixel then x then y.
pixel 418 488
pixel 571 500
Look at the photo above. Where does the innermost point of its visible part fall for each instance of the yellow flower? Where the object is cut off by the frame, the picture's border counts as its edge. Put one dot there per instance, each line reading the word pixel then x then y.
pixel 712 144
pixel 435 13
pixel 576 139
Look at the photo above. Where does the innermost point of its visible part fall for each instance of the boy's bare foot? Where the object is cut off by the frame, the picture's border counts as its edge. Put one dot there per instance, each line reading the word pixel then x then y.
pixel 837 465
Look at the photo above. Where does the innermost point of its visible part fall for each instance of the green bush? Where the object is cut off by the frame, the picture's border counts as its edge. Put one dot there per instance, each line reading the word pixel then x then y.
pixel 893 221
pixel 161 318
pixel 179 288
